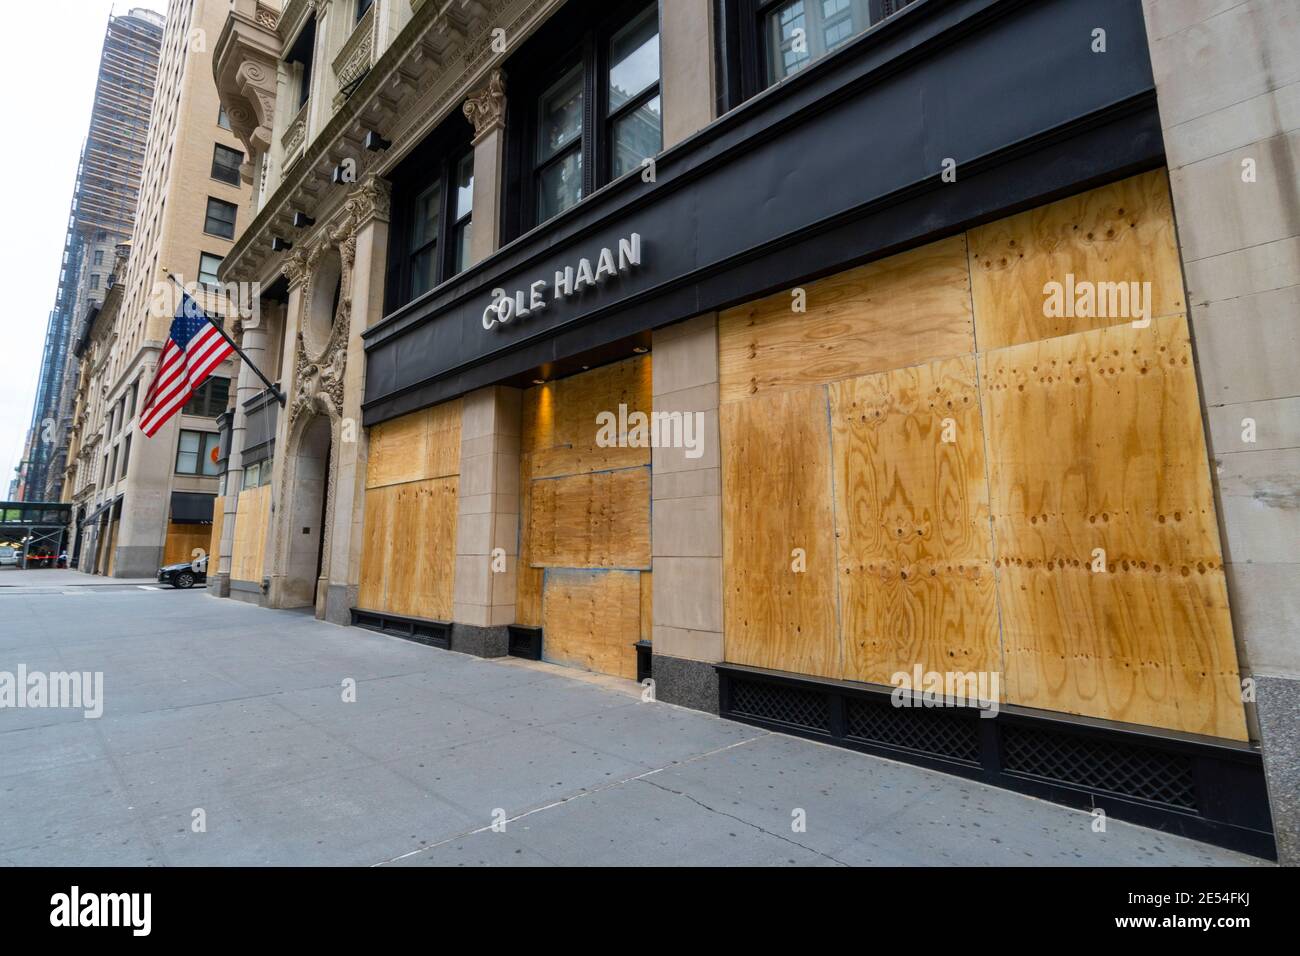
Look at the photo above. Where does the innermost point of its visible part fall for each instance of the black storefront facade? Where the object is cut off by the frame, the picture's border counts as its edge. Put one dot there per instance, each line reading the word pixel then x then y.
pixel 940 120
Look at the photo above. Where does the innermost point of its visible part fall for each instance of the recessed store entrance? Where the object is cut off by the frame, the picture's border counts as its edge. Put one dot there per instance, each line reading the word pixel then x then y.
pixel 306 571
pixel 584 557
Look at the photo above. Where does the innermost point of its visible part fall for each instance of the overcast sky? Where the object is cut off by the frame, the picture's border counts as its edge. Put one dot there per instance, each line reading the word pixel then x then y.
pixel 47 87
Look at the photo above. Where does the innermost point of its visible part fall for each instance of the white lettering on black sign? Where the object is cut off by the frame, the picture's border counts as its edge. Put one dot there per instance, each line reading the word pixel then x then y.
pixel 569 281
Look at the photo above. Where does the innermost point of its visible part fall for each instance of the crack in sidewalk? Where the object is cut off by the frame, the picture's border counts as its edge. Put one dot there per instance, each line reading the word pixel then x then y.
pixel 464 834
pixel 732 816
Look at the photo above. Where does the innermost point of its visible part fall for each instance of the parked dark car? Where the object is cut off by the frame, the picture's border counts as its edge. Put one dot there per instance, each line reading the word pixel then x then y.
pixel 184 575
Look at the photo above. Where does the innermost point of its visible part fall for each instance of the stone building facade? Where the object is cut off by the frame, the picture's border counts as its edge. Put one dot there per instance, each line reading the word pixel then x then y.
pixel 480 224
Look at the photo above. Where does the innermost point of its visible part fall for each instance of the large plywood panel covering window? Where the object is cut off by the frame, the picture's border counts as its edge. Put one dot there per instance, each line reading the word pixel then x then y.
pixel 1113 595
pixel 585 507
pixel 248 553
pixel 409 549
pixel 184 540
pixel 1074 439
pixel 1094 246
pixel 904 310
pixel 423 444
pixel 595 520
pixel 778 543
pixel 214 538
pixel 911 504
pixel 408 543
pixel 592 619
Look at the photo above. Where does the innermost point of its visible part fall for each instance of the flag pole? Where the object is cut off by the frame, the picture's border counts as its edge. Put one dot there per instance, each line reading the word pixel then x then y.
pixel 279 395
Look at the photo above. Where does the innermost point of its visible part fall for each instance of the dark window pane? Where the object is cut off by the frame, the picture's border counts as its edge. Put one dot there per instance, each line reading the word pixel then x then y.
pixel 799 32
pixel 220 219
pixel 423 272
pixel 424 223
pixel 634 58
pixel 559 186
pixel 560 115
pixel 226 163
pixel 636 136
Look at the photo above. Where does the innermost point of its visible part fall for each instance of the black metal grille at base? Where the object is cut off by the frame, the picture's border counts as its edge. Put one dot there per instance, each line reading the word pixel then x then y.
pixel 432 633
pixel 1199 787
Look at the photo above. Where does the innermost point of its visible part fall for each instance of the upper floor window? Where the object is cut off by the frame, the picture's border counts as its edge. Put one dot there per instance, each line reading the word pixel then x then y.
pixel 222 119
pixel 599 114
pixel 196 453
pixel 796 33
pixel 433 212
pixel 210 398
pixel 226 163
pixel 208 266
pixel 301 55
pixel 220 218
pixel 362 7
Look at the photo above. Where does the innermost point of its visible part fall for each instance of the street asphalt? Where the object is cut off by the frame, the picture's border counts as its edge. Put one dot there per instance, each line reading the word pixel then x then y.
pixel 226 739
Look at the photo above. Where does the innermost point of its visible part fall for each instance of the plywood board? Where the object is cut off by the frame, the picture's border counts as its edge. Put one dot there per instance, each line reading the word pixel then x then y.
pixel 910 308
pixel 598 520
pixel 585 520
pixel 560 427
pixel 183 540
pixel 528 579
pixel 914 546
pixel 423 444
pixel 376 548
pixel 252 516
pixel 409 549
pixel 776 497
pixel 214 539
pixel 1121 232
pixel 1096 442
pixel 592 619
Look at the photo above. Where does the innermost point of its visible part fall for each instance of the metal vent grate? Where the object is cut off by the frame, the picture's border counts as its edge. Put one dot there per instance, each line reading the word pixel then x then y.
pixel 928 730
pixel 781 703
pixel 1121 769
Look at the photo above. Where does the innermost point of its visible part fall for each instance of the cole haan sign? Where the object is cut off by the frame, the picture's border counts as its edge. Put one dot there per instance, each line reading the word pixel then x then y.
pixel 569 281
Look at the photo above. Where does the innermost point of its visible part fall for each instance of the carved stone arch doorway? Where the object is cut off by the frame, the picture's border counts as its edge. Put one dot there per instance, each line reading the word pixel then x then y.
pixel 305 498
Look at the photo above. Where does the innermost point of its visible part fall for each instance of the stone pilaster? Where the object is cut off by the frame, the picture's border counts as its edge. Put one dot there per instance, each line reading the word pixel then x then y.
pixel 487 520
pixel 1232 137
pixel 686 58
pixel 486 111
pixel 686 505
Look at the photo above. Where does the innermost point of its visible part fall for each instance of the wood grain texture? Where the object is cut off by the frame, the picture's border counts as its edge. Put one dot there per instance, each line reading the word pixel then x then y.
pixel 414 447
pixel 1121 232
pixel 408 557
pixel 595 520
pixel 910 308
pixel 376 550
pixel 183 540
pixel 581 505
pixel 248 552
pixel 914 547
pixel 1096 441
pixel 592 619
pixel 776 497
pixel 214 540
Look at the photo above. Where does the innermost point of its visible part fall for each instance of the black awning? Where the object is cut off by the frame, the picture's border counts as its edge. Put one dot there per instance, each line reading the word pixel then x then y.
pixel 101 509
pixel 191 507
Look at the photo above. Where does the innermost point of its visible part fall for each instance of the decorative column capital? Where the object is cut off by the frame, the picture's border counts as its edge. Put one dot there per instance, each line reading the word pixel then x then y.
pixel 294 268
pixel 486 109
pixel 371 199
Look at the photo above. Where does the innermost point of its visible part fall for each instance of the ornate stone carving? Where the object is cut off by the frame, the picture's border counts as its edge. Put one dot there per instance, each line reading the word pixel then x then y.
pixel 486 109
pixel 294 267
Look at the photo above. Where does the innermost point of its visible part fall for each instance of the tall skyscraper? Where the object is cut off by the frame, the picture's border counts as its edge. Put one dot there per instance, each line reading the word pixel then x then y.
pixel 102 215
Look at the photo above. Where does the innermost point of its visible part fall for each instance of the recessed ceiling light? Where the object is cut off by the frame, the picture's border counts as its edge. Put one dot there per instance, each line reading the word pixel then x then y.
pixel 640 350
pixel 539 381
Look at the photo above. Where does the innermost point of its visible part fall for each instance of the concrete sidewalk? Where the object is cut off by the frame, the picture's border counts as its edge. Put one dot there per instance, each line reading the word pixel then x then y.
pixel 231 716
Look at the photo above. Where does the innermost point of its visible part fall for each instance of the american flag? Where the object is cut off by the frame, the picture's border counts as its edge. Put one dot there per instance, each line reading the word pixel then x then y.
pixel 194 348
